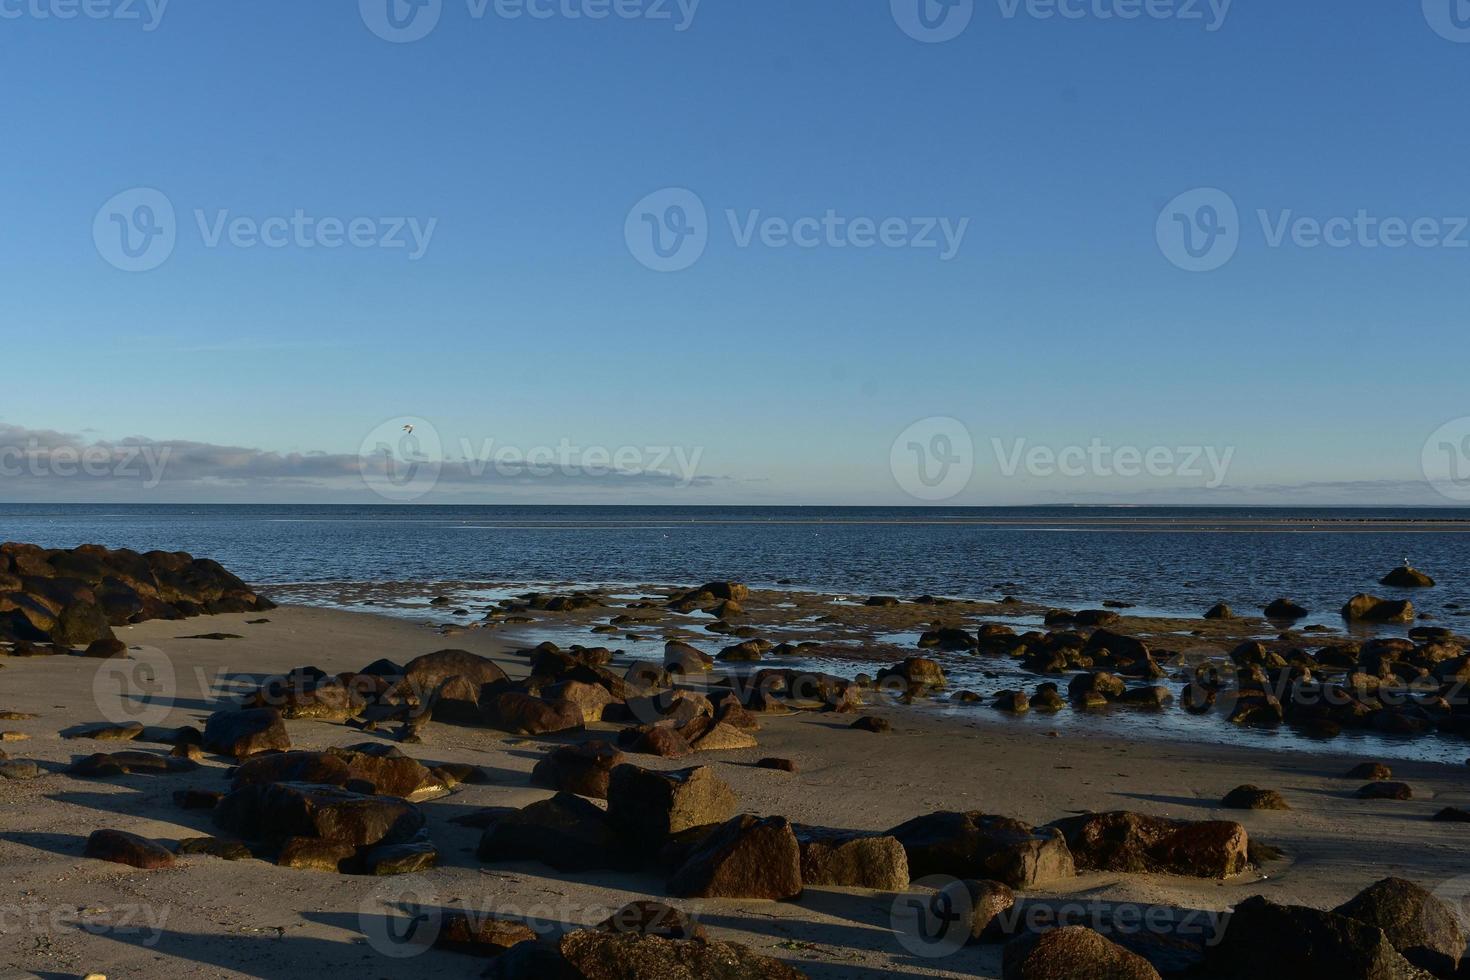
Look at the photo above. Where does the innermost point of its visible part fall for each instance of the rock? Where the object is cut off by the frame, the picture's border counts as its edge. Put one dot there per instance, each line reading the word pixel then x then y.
pixel 451 681
pixel 724 738
pixel 81 624
pixel 1249 797
pixel 977 845
pixel 219 847
pixel 1422 927
pixel 521 714
pixel 950 638
pixel 383 767
pixel 870 723
pixel 1109 686
pixel 19 770
pixel 652 919
pixel 1219 611
pixel 1385 791
pixel 1070 953
pixel 197 799
pixel 783 765
pixel 400 859
pixel 1284 609
pixel 315 854
pixel 480 935
pixel 130 849
pixel 916 673
pixel 664 741
pixel 682 658
pixel 246 732
pixel 105 732
pixel 1371 609
pixel 1452 814
pixel 1263 939
pixel 277 811
pixel 1369 770
pixel 299 696
pixel 979 902
pixel 565 832
pixel 591 699
pixel 849 859
pixel 1012 702
pixel 882 600
pixel 106 648
pixel 104 765
pixel 1135 843
pixel 1405 577
pixel 582 769
pixel 597 955
pixel 651 806
pixel 746 857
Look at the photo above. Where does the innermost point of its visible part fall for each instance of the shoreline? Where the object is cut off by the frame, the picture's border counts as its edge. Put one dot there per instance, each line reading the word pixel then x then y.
pixel 216 913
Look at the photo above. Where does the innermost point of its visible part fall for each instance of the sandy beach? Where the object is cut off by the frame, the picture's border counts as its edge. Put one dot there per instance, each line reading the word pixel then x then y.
pixel 67 916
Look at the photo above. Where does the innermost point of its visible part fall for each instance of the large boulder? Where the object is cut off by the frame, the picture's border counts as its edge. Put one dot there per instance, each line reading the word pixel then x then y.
pixel 522 714
pixel 1133 842
pixel 387 770
pixel 978 845
pixel 565 832
pixel 850 859
pixel 746 857
pixel 582 769
pixel 450 680
pixel 1263 939
pixel 597 955
pixel 1405 577
pixel 1371 609
pixel 1420 925
pixel 650 806
pixel 81 624
pixel 1070 953
pixel 242 733
pixel 275 812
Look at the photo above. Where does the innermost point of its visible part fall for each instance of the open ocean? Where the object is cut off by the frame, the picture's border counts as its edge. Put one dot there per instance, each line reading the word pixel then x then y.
pixel 1166 560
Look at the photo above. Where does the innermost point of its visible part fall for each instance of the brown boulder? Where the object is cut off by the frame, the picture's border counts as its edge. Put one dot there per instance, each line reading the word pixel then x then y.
pixel 596 955
pixel 384 767
pixel 1420 925
pixel 278 811
pixel 245 732
pixel 1071 953
pixel 746 857
pixel 649 806
pixel 565 832
pixel 120 847
pixel 850 859
pixel 582 769
pixel 1132 842
pixel 978 845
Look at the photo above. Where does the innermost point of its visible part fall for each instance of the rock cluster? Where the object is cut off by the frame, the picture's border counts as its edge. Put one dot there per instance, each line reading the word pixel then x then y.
pixel 74 597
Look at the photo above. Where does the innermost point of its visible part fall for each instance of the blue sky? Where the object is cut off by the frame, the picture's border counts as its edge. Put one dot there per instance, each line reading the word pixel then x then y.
pixel 528 320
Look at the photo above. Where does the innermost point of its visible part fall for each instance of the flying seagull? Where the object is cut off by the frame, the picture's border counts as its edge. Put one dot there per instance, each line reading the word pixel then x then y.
pixel 409 428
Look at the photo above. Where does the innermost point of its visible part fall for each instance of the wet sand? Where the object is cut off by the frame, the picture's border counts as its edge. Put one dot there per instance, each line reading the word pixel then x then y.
pixel 211 918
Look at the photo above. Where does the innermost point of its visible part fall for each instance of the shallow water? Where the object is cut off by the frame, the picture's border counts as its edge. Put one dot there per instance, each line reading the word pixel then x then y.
pixel 1166 561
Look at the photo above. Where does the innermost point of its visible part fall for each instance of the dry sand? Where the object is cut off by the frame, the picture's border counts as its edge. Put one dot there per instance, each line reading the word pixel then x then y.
pixel 210 918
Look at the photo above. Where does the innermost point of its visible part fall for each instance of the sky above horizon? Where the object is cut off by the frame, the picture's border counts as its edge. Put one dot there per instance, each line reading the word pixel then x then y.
pixel 660 251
